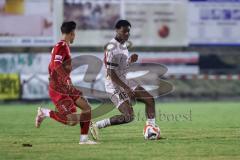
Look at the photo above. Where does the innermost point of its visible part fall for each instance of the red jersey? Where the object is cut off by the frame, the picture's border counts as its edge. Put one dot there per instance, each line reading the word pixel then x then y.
pixel 60 65
pixel 61 91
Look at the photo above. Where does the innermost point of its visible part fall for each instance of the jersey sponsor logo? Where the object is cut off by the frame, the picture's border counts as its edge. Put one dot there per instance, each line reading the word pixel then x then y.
pixel 58 58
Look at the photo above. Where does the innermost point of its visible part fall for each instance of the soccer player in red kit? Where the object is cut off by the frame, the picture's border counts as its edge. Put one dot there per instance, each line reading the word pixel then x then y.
pixel 61 91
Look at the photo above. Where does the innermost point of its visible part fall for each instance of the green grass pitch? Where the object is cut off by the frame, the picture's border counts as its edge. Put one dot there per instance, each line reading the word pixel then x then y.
pixel 196 130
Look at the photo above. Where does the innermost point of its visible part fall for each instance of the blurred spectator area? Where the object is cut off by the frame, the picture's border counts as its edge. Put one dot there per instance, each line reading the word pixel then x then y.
pixel 92 15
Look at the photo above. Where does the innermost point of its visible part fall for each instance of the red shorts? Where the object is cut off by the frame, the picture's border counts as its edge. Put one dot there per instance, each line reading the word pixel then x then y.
pixel 64 103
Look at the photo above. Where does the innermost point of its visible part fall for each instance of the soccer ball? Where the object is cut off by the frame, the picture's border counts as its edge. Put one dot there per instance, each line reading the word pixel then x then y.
pixel 151 132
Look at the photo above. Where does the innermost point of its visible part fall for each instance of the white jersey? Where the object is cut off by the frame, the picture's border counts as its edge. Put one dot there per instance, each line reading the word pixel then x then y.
pixel 116 57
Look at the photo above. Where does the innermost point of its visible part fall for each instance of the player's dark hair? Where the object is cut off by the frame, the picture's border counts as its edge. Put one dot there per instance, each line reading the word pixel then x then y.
pixel 122 23
pixel 68 27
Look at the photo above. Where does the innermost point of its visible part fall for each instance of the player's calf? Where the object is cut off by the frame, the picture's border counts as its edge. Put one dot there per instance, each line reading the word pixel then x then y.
pixel 124 118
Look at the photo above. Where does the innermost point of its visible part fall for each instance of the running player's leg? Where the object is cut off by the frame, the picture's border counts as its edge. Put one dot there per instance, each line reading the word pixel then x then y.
pixel 66 109
pixel 143 96
pixel 85 116
pixel 126 116
pixel 64 114
pixel 121 100
pixel 64 106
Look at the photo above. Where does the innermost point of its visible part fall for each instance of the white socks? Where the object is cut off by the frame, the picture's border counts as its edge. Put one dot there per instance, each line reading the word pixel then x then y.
pixel 83 138
pixel 151 122
pixel 45 111
pixel 103 123
pixel 106 122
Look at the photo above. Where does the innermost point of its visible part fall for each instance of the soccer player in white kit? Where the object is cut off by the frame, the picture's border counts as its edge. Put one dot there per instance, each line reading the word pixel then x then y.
pixel 122 91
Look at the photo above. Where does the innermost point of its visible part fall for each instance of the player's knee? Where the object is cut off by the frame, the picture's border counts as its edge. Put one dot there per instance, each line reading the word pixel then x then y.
pixel 151 100
pixel 86 108
pixel 83 104
pixel 72 120
pixel 72 123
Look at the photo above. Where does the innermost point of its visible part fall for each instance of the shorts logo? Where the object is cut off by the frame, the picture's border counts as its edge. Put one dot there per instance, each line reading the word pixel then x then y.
pixel 64 107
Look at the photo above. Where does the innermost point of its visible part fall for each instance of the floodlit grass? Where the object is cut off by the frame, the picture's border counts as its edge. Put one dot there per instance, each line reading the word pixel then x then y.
pixel 206 131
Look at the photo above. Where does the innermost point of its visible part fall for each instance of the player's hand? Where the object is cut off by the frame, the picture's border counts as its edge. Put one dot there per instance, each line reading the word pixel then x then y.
pixel 133 58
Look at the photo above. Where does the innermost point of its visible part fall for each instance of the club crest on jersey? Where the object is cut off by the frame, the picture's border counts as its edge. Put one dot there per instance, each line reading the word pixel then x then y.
pixel 58 57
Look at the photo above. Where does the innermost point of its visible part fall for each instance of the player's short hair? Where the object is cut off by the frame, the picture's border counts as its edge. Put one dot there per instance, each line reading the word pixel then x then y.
pixel 68 27
pixel 122 23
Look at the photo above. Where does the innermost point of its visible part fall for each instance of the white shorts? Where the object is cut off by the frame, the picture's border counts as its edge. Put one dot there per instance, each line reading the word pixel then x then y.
pixel 117 94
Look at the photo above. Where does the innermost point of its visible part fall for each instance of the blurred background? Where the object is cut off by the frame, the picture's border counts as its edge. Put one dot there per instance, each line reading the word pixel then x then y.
pixel 197 40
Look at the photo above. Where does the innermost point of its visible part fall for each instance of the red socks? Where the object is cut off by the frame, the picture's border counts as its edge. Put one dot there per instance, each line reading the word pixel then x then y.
pixel 85 122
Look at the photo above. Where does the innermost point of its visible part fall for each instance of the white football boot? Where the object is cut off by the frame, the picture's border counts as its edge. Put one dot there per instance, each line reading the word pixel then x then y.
pixel 39 118
pixel 88 142
pixel 94 131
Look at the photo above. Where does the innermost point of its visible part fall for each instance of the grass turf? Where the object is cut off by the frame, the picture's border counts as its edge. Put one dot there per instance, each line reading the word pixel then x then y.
pixel 210 132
